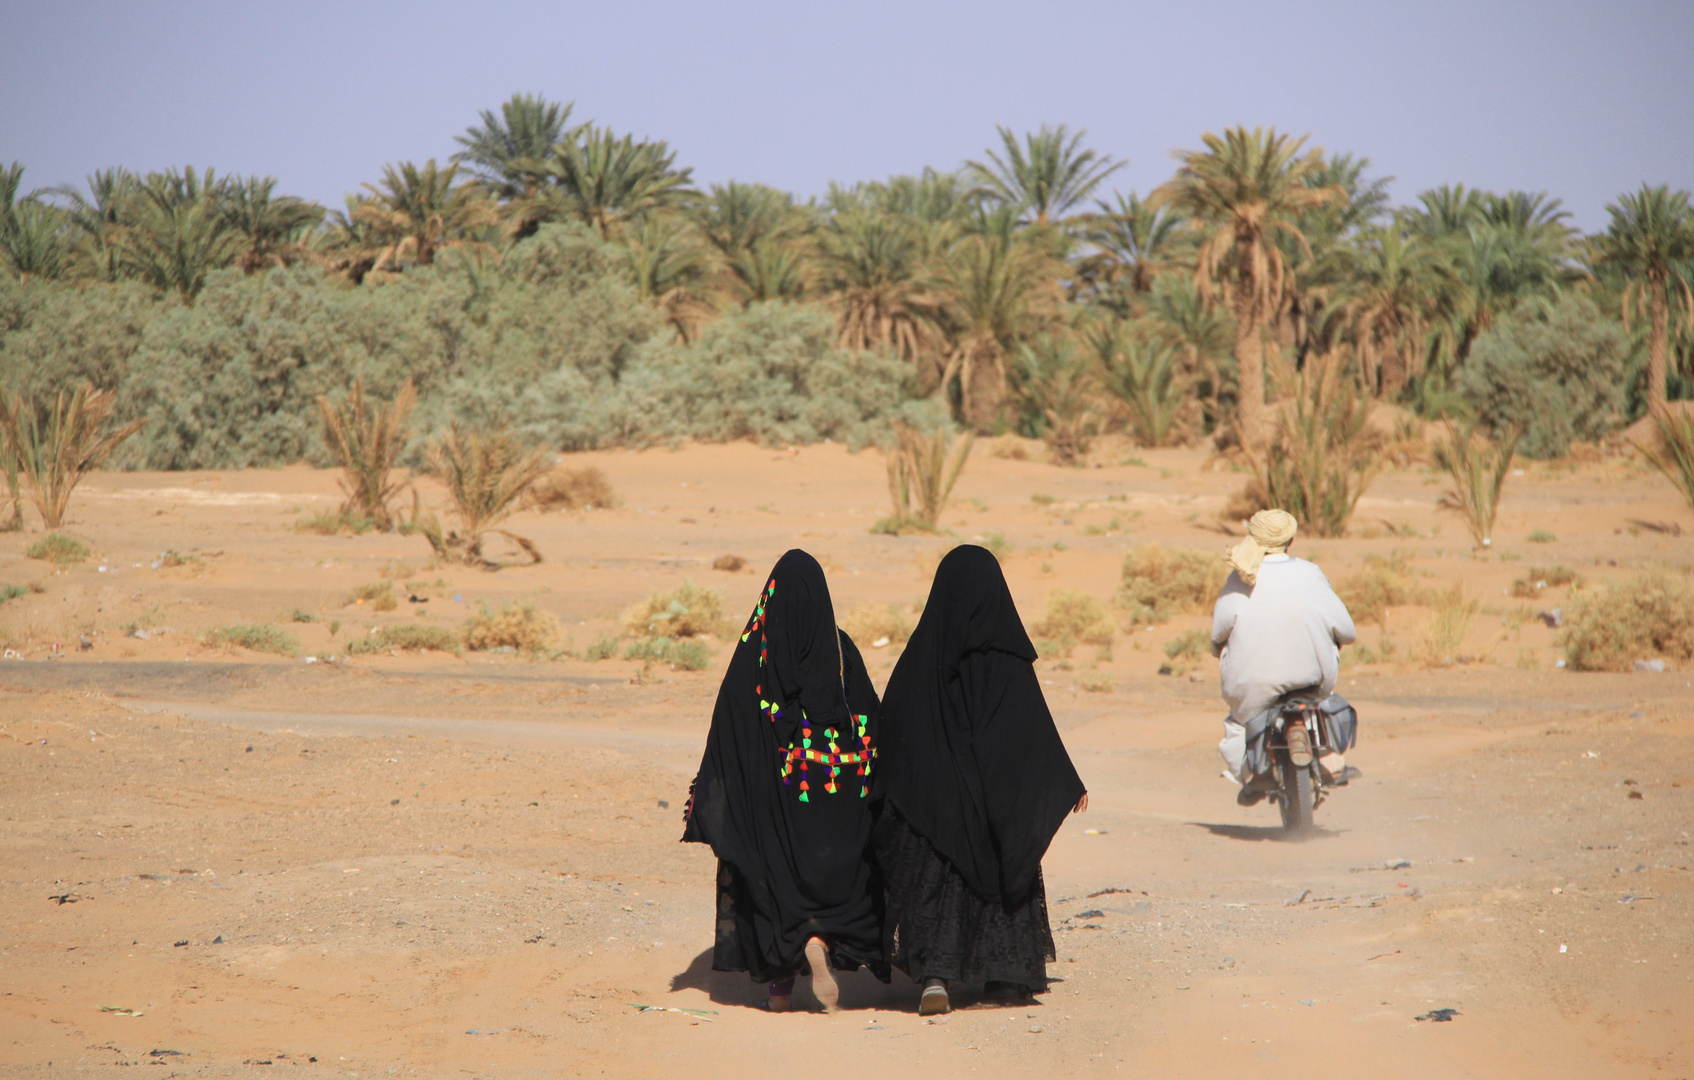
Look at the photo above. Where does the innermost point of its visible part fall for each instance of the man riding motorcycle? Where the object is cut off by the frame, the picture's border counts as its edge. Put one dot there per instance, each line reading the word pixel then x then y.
pixel 1277 628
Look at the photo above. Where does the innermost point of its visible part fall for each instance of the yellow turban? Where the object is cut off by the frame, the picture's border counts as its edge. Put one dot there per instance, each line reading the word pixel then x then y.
pixel 1268 531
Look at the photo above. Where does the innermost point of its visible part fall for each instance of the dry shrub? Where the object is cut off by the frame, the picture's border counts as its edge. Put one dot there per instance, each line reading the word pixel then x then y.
pixel 1322 455
pixel 367 439
pixel 729 564
pixel 488 475
pixel 1159 582
pixel 379 595
pixel 1095 682
pixel 1672 453
pixel 406 636
pixel 10 471
pixel 335 522
pixel 1529 586
pixel 683 655
pixel 523 627
pixel 574 489
pixel 56 446
pixel 399 570
pixel 1478 472
pixel 1649 616
pixel 1448 626
pixel 58 549
pixel 1185 650
pixel 869 624
pixel 1072 619
pixel 268 639
pixel 1381 585
pixel 922 470
pixel 1009 448
pixel 684 611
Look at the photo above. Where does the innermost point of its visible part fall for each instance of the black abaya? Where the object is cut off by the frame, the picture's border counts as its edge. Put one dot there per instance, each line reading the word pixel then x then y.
pixel 781 795
pixel 974 771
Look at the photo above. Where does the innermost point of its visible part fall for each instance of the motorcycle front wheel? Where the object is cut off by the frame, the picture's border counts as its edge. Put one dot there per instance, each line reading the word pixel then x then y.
pixel 1296 801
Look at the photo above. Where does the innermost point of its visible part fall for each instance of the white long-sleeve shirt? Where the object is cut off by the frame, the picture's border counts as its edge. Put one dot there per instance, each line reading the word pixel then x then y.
pixel 1282 633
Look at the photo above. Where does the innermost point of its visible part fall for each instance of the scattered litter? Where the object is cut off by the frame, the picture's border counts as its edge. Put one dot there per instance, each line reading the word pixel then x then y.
pixel 1554 618
pixel 1308 1003
pixel 1591 753
pixel 64 898
pixel 874 1027
pixel 664 804
pixel 1632 899
pixel 1113 889
pixel 219 940
pixel 1094 832
pixel 1557 890
pixel 1562 948
pixel 118 1010
pixel 1379 956
pixel 1035 1029
pixel 1653 666
pixel 880 643
pixel 179 944
pixel 164 1053
pixel 1636 795
pixel 257 1061
pixel 1091 913
pixel 486 1031
pixel 1439 1016
pixel 1182 986
pixel 1296 901
pixel 1397 864
pixel 697 1014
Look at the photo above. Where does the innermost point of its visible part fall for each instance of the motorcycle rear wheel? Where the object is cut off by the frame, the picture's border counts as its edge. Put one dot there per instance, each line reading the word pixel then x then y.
pixel 1296 802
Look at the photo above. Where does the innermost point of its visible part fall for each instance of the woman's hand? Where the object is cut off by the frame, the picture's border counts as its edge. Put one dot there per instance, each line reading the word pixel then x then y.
pixel 1081 804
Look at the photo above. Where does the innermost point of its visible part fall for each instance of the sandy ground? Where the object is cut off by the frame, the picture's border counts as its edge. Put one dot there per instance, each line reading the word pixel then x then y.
pixel 229 864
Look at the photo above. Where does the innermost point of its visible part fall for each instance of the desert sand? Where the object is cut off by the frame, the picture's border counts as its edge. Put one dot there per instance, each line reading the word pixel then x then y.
pixel 226 863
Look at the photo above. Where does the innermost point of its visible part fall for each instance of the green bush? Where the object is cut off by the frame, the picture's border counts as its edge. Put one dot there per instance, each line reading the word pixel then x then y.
pixel 58 548
pixel 1555 372
pixel 1072 619
pixel 12 592
pixel 683 611
pixel 259 638
pixel 770 372
pixel 406 636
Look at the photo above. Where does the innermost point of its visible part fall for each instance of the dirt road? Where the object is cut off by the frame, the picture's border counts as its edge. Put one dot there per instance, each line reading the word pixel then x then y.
pixel 229 865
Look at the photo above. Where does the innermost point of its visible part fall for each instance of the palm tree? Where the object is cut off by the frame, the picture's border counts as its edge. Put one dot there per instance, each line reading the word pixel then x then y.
pixel 417 211
pixel 602 180
pixel 1145 376
pixel 1323 268
pixel 756 230
pixel 527 129
pixel 33 234
pixel 179 233
pixel 1133 244
pixel 996 292
pixel 275 226
pixel 111 201
pixel 1045 176
pixel 1180 314
pixel 1244 192
pixel 670 263
pixel 1404 287
pixel 871 266
pixel 1650 244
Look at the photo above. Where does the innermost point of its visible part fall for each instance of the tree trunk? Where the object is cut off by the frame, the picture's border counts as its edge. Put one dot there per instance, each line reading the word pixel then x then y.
pixel 1250 373
pixel 1656 340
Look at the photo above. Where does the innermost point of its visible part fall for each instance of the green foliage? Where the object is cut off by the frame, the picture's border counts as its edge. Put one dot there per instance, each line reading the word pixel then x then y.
pixel 1541 536
pixel 1648 616
pixel 1478 472
pixel 1322 456
pixel 922 469
pixel 406 636
pixel 770 372
pixel 366 439
pixel 1672 453
pixel 258 638
pixel 1159 582
pixel 1556 373
pixel 12 592
pixel 1144 378
pixel 1190 645
pixel 56 444
pixel 59 549
pixel 1058 387
pixel 604 649
pixel 335 522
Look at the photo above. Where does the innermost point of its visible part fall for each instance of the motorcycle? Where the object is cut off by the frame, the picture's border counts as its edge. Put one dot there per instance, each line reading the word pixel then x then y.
pixel 1283 754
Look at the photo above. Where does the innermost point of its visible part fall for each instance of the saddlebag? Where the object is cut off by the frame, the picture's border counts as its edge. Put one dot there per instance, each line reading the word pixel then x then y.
pixel 1341 723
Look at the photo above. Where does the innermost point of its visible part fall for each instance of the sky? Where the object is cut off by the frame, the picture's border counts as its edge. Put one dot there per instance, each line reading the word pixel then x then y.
pixel 1582 100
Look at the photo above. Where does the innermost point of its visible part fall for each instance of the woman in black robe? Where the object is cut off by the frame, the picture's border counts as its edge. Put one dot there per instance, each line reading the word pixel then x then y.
pixel 782 795
pixel 976 781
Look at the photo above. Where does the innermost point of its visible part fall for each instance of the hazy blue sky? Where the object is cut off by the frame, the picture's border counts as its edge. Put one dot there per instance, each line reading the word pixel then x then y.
pixel 1583 100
